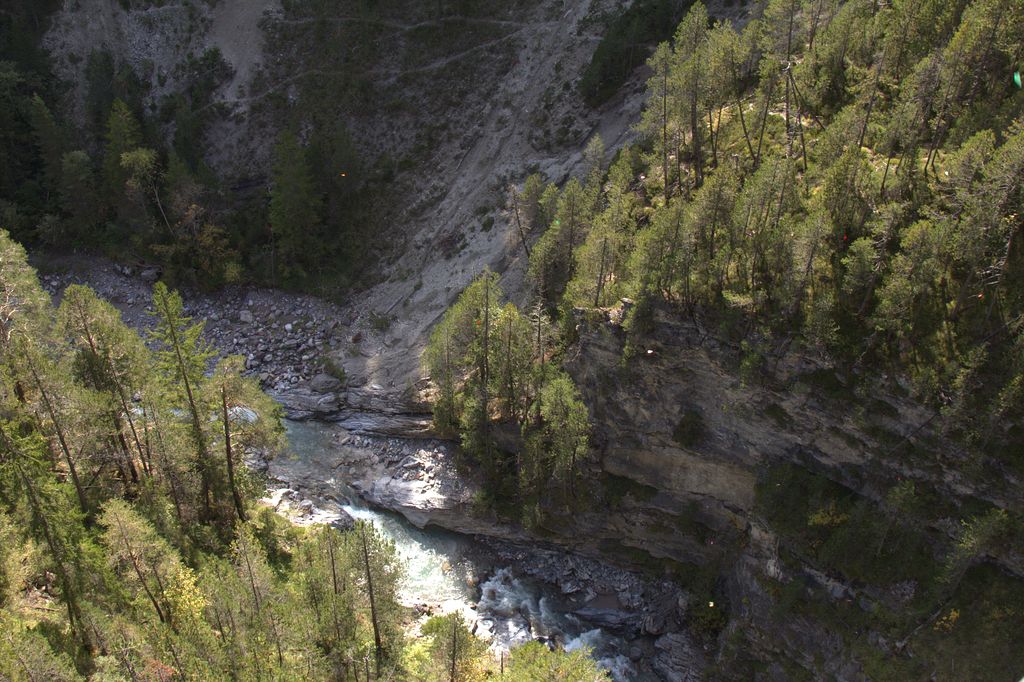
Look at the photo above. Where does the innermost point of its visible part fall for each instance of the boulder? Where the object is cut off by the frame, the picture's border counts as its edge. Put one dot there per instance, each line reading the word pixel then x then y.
pixel 325 383
pixel 678 658
pixel 245 316
pixel 615 620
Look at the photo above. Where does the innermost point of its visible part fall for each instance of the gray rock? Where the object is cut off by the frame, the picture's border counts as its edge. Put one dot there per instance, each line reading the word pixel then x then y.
pixel 678 658
pixel 245 316
pixel 616 620
pixel 324 383
pixel 150 275
pixel 344 521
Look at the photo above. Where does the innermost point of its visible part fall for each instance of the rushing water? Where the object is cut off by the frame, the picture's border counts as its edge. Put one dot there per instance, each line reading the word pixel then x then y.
pixel 442 569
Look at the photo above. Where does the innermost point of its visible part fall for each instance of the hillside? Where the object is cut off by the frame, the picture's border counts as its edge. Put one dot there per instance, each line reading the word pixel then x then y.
pixel 727 299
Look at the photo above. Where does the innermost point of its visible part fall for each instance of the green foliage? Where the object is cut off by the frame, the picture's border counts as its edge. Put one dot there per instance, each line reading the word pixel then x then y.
pixel 488 366
pixel 971 635
pixel 869 194
pixel 830 524
pixel 622 48
pixel 123 134
pixel 554 257
pixel 454 653
pixel 534 661
pixel 161 556
pixel 295 208
pixel 564 435
pixel 332 368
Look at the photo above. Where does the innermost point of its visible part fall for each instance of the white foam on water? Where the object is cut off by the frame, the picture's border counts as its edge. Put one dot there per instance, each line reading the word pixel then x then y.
pixel 510 610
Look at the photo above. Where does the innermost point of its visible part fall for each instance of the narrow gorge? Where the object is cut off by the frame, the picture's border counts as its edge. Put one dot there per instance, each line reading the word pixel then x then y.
pixel 642 340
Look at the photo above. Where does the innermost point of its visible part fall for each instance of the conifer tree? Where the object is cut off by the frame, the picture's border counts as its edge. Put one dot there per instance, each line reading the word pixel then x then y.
pixel 122 135
pixel 294 207
pixel 182 357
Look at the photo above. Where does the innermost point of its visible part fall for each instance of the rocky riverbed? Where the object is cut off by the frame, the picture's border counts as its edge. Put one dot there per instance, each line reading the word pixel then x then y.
pixel 378 454
pixel 509 586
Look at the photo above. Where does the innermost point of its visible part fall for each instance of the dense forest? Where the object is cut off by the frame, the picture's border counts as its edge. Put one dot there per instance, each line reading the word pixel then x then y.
pixel 839 179
pixel 132 543
pixel 131 181
pixel 848 177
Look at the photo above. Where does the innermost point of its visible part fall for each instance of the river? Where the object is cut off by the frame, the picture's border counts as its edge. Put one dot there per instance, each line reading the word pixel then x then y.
pixel 448 572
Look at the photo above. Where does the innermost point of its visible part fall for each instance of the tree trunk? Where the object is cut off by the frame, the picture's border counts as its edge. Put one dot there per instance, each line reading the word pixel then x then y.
pixel 600 274
pixel 239 507
pixel 118 388
pixel 79 491
pixel 519 223
pixel 334 582
pixel 133 560
pixel 70 596
pixel 171 475
pixel 764 121
pixel 746 134
pixel 509 378
pixel 455 644
pixel 695 140
pixel 197 427
pixel 664 128
pixel 485 366
pixel 377 645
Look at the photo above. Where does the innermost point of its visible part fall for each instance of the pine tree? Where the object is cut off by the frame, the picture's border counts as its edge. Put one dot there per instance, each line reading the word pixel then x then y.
pixel 456 655
pixel 182 357
pixel 295 207
pixel 689 81
pixel 78 195
pixel 142 559
pixel 249 420
pixel 123 134
pixel 566 429
pixel 534 661
pixel 112 360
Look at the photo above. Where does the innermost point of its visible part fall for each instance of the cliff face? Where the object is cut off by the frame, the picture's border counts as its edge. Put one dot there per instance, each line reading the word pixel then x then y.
pixel 766 494
pixel 776 472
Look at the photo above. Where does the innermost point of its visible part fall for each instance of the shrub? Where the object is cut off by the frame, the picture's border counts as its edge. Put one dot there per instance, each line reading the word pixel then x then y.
pixel 334 369
pixel 690 431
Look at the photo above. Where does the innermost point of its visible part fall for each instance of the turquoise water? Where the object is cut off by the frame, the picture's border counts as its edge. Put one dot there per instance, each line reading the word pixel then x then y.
pixel 452 572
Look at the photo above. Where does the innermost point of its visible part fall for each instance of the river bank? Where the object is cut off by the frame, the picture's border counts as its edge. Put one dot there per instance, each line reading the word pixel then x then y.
pixel 366 451
pixel 510 589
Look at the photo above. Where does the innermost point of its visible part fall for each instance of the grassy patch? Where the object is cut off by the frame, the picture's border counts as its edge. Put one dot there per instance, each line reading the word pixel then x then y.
pixel 380 323
pixel 333 369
